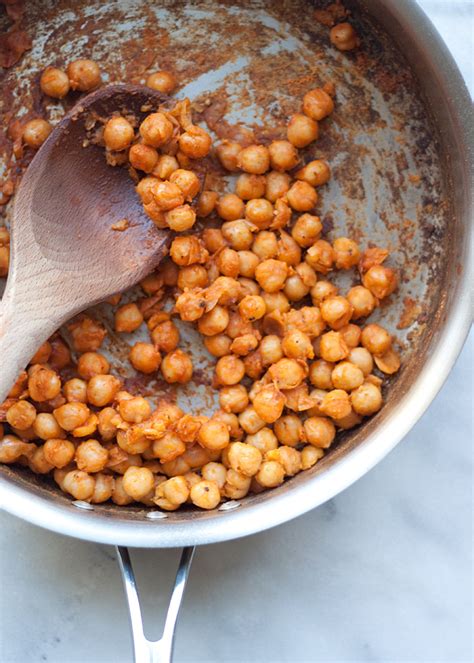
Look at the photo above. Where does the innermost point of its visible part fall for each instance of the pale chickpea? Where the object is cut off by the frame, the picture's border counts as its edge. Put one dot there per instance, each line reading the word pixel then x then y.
pixel 307 230
pixel 54 82
pixel 344 37
pixel 214 472
pixel 104 488
pixel 320 374
pixel 362 301
pixel 302 197
pixel 265 245
pixel 128 318
pixel 332 347
pixel 21 415
pixel 213 435
pixel 238 234
pixel 195 143
pixel 230 207
pixel 37 461
pixel 218 345
pixel 165 336
pixel 119 496
pixel 380 280
pixel 71 415
pixel 366 399
pixel 59 453
pixel 162 81
pixel 347 376
pixel 289 430
pixel 317 104
pixel 248 186
pixel 91 456
pixel 244 458
pixel 271 275
pixel 259 211
pixel 336 311
pixel 214 322
pixel 142 157
pixel 319 431
pixel 181 218
pixel 44 384
pixel 229 370
pixel 302 130
pixel 276 186
pixel 237 485
pixel 233 398
pixel 297 345
pixel 134 410
pixel 156 129
pixel 310 456
pixel 283 155
pixel 271 474
pixel 79 484
pixel 206 204
pixel 250 421
pixel 376 339
pixel 46 427
pixel 84 75
pixel 118 134
pixel 228 153
pixel 268 403
pixel 320 256
pixel 177 366
pixel 205 494
pixel 315 173
pixel 351 334
pixel 252 307
pixel 92 363
pixel 35 132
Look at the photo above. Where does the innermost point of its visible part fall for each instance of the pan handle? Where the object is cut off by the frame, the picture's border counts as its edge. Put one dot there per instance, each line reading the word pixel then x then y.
pixel 159 651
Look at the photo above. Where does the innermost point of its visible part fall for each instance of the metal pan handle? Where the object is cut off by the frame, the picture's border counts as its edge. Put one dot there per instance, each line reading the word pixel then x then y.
pixel 159 651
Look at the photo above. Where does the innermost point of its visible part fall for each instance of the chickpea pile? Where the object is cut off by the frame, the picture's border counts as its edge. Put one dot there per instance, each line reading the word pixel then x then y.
pixel 295 357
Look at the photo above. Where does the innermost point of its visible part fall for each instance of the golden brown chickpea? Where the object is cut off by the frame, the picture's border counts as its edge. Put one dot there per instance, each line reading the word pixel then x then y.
pixel 363 359
pixel 190 306
pixel 336 404
pixel 213 239
pixel 167 196
pixel 21 415
pixel 271 275
pixel 193 276
pixel 205 494
pixel 138 482
pixel 59 453
pixel 276 301
pixel 214 472
pixel 145 188
pixel 271 474
pixel 165 336
pixel 302 197
pixel 320 372
pixel 317 104
pixel 234 398
pixel 259 211
pixel 119 496
pixel 142 157
pixel 277 185
pixel 44 384
pixel 376 339
pixel 344 37
pixel 84 75
pixel 289 459
pixel 134 410
pixel 229 370
pixel 165 166
pixel 297 345
pixel 104 488
pixel 302 130
pixel 283 155
pixel 206 203
pixel 228 152
pixel 214 322
pixel 320 256
pixel 288 249
pixel 346 253
pixel 87 334
pixel 310 456
pixel 71 415
pixel 237 485
pixel 213 435
pixel 228 262
pixel 79 484
pixel 336 311
pixel 270 349
pixel 162 81
pixel 250 421
pixel 168 447
pixel 177 366
pixel 289 430
pixel 287 373
pixel 268 403
pixel 4 260
pixel 38 463
pixel 91 456
pixel 248 286
pixel 366 399
pixel 319 431
pixel 307 230
pixel 315 173
pixel 92 363
pixel 333 347
pixel 54 82
pixel 238 234
pixel 218 345
pixel 250 186
pixel 254 159
pixel 188 250
pixel 295 289
pixel 181 218
pixel 347 376
pixel 380 280
pixel 75 391
pixel 252 308
pixel 195 143
pixel 144 357
pixel 321 291
pixel 248 262
pixel 244 458
pixel 265 245
pixel 46 427
pixel 35 132
pixel 187 181
pixel 12 448
pixel 42 355
pixel 351 335
pixel 156 129
pixel 118 134
pixel 230 207
pixel 264 440
pixel 128 318
pixel 362 301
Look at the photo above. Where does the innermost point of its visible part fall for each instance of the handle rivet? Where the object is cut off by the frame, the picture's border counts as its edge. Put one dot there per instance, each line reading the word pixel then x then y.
pixel 228 506
pixel 80 504
pixel 156 515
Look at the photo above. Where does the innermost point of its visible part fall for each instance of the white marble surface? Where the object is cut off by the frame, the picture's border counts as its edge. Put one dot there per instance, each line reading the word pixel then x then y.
pixel 381 573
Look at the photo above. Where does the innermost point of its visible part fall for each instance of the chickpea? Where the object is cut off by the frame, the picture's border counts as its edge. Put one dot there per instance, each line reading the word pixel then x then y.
pixel 320 256
pixel 35 132
pixel 187 181
pixel 333 348
pixel 165 336
pixel 347 376
pixel 351 335
pixel 230 207
pixel 214 435
pixel 270 349
pixel 336 311
pixel 91 456
pixel 319 431
pixel 162 81
pixel 59 453
pixel 282 214
pixel 259 211
pixel 315 173
pixel 213 239
pixel 218 345
pixel 302 196
pixel 254 159
pixel 195 143
pixel 190 306
pixel 134 410
pixel 228 262
pixel 181 218
pixel 244 458
pixel 269 403
pixel 205 494
pixel 167 196
pixel 320 374
pixel 214 472
pixel 248 262
pixel 252 307
pixel 310 456
pixel 283 155
pixel 250 421
pixel 297 345
pixel 336 404
pixel 214 322
pixel 206 203
pixel 322 290
pixel 187 250
pixel 104 487
pixel 119 496
pixel 289 459
pixel 253 365
pixel 237 485
pixel 128 318
pixel 227 153
pixel 118 134
pixel 295 289
pixel 317 104
pixel 44 384
pixel 276 186
pixel 265 245
pixel 302 130
pixel 156 129
pixel 177 366
pixel 380 280
pixel 250 186
pixel 271 474
pixel 271 275
pixel 362 301
pixel 142 157
pixel 71 415
pixel 289 430
pixel 21 415
pixel 4 260
pixel 307 230
pixel 92 363
pixel 238 234
pixel 79 484
pixel 248 286
pixel 366 399
pixel 229 370
pixel 75 391
pixel 168 447
pixel 233 398
pixel 363 359
pixel 287 373
pixel 376 339
pixel 164 167
pixel 193 276
pixel 54 82
pixel 102 389
pixel 138 482
pixel 84 75
pixel 243 345
pixel 46 427
pixel 344 37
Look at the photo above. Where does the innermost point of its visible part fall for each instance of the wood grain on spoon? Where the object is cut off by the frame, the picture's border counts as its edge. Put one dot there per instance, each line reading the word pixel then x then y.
pixel 65 254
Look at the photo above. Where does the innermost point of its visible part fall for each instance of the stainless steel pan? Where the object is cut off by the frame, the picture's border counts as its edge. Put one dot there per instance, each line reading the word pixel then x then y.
pixel 400 145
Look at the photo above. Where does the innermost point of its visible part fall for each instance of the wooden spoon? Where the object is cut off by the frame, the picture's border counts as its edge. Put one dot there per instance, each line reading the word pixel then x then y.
pixel 65 255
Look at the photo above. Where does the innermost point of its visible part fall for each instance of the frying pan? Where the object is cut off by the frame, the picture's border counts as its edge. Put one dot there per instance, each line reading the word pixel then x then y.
pixel 400 146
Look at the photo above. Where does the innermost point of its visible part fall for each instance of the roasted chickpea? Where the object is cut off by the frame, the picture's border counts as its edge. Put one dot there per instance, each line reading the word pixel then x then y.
pixel 252 307
pixel 344 37
pixel 295 288
pixel 237 485
pixel 118 134
pixel 289 430
pixel 347 376
pixel 244 458
pixel 205 494
pixel 213 435
pixel 46 427
pixel 167 196
pixel 319 431
pixel 91 456
pixel 270 474
pixel 119 496
pixel 376 339
pixel 195 143
pixel 218 345
pixel 165 336
pixel 75 391
pixel 206 203
pixel 317 104
pixel 156 129
pixel 250 186
pixel 315 173
pixel 177 366
pixel 238 234
pixel 322 290
pixel 254 159
pixel 302 130
pixel 366 399
pixel 307 230
pixel 351 335
pixel 268 403
pixel 310 456
pixel 145 357
pixel 214 322
pixel 320 374
pixel 250 421
pixel 35 132
pixel 141 157
pixel 134 410
pixel 380 280
pixel 193 276
pixel 187 181
pixel 229 370
pixel 181 218
pixel 320 256
pixel 233 398
pixel 259 211
pixel 84 75
pixel 333 347
pixel 44 384
pixel 162 81
pixel 128 318
pixel 92 363
pixel 228 262
pixel 288 249
pixel 21 415
pixel 277 185
pixel 276 301
pixel 336 311
pixel 362 301
pixel 265 245
pixel 138 482
pixel 71 415
pixel 271 275
pixel 346 253
pixel 79 484
pixel 54 82
pixel 190 306
pixel 297 345
pixel 4 260
pixel 165 166
pixel 228 152
pixel 230 207
pixel 302 197
pixel 214 472
pixel 59 453
pixel 243 345
pixel 248 286
pixel 362 358
pixel 270 349
pixel 283 155
pixel 287 373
